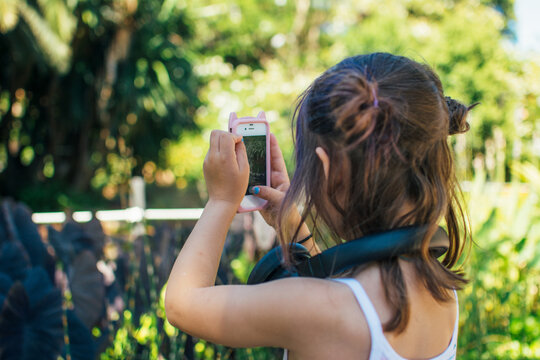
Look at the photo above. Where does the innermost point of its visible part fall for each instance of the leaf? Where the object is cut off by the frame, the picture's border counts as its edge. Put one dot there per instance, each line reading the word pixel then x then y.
pixel 60 17
pixel 486 227
pixel 12 321
pixel 56 51
pixel 75 238
pixel 29 234
pixel 535 262
pixel 87 289
pixel 75 234
pixel 9 224
pixel 31 319
pixel 530 252
pixel 5 285
pixel 94 231
pixel 13 262
pixel 62 247
pixel 45 322
pixel 81 342
pixel 529 173
pixel 9 17
pixel 162 75
pixel 524 217
pixel 37 285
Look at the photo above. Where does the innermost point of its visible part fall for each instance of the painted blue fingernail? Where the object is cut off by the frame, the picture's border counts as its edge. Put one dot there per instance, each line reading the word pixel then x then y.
pixel 256 190
pixel 242 139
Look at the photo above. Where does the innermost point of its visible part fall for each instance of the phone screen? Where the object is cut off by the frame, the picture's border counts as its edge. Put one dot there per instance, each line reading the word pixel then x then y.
pixel 256 153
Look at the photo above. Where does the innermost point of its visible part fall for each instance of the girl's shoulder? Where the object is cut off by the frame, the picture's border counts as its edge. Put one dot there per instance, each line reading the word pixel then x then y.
pixel 332 324
pixel 431 323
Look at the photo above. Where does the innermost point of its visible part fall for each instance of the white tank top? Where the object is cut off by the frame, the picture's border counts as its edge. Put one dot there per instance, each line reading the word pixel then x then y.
pixel 380 347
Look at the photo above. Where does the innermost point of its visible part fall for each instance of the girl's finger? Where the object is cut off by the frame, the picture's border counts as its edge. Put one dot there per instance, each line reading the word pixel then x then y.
pixel 237 138
pixel 229 150
pixel 241 156
pixel 267 193
pixel 214 143
pixel 279 179
pixel 226 144
pixel 278 164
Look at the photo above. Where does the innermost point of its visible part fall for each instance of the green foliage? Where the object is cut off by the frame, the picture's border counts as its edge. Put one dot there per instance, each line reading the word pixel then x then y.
pixel 141 329
pixel 116 96
pixel 241 266
pixel 500 316
pixel 467 42
pixel 90 92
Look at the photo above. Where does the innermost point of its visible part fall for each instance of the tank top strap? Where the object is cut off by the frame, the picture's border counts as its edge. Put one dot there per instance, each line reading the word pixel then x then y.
pixel 372 319
pixel 380 347
pixel 453 341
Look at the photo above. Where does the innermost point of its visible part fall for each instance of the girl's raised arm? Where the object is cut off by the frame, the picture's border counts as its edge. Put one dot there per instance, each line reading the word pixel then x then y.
pixel 279 313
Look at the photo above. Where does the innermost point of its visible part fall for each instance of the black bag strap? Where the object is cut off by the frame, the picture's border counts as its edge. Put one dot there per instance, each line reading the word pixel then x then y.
pixel 373 247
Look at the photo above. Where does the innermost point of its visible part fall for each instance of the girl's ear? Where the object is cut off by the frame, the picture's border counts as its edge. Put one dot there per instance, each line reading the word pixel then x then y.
pixel 323 156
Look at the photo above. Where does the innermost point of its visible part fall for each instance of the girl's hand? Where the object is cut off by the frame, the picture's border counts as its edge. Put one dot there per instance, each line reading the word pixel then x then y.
pixel 226 168
pixel 275 194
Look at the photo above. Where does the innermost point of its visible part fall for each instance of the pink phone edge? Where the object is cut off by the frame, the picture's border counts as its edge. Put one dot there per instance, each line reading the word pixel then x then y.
pixel 233 124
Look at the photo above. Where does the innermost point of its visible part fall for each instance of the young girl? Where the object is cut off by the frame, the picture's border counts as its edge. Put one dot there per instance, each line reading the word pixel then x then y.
pixel 372 155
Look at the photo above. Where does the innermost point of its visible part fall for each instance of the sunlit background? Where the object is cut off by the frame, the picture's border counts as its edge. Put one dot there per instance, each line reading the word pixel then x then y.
pixel 105 113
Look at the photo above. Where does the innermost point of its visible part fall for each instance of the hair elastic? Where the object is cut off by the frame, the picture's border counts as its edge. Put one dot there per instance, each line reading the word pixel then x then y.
pixel 375 101
pixel 305 239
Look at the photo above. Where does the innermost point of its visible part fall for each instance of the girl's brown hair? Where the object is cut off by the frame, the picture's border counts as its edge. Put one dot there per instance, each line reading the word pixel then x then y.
pixel 384 121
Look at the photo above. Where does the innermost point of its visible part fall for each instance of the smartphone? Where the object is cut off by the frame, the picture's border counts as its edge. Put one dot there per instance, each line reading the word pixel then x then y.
pixel 255 132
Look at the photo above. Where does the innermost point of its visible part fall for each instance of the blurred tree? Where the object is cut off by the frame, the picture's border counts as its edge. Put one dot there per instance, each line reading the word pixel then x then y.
pixel 254 56
pixel 90 92
pixel 115 82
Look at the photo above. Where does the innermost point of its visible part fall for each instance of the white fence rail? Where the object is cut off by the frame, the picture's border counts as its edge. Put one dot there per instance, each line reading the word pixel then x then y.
pixel 132 214
pixel 137 211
